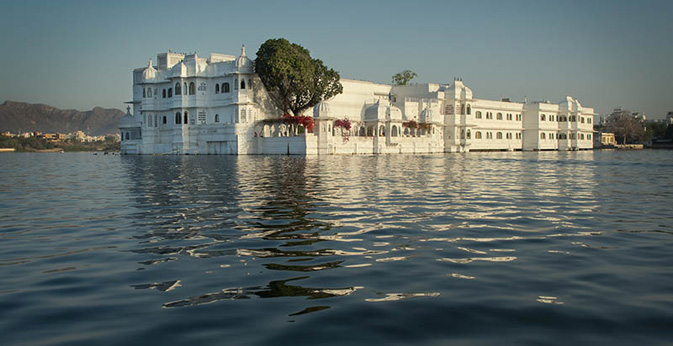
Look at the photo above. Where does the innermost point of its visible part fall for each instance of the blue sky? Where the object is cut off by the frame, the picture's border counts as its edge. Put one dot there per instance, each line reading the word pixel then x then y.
pixel 80 54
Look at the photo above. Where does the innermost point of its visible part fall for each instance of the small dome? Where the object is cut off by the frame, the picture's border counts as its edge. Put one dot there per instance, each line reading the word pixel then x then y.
pixel 321 110
pixel 242 62
pixel 128 120
pixel 179 70
pixel 150 72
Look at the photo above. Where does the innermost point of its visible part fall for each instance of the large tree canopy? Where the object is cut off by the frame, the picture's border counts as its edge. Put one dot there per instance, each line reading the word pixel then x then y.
pixel 626 126
pixel 295 81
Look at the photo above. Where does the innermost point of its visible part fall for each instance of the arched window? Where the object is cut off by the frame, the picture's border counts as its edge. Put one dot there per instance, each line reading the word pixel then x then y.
pixel 186 118
pixel 382 131
pixel 192 88
pixel 477 135
pixel 185 88
pixel 498 135
pixel 217 88
pixel 499 116
pixel 163 94
pixel 170 92
pixel 477 115
pixel 149 92
pixel 242 84
pixel 469 110
pixel 144 93
pixel 225 87
pixel 178 118
pixel 581 136
pixel 164 119
pixel 469 134
pixel 542 117
pixel 393 133
pixel 542 136
pixel 217 118
pixel 178 90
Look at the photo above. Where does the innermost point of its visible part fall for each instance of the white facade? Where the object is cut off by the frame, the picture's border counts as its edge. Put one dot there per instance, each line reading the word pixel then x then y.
pixel 191 105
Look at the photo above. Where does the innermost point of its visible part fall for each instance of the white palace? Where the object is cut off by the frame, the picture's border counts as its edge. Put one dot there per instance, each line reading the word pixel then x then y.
pixel 187 104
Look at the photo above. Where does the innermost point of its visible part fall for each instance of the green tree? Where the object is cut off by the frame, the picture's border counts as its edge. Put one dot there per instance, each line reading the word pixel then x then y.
pixel 404 77
pixel 295 81
pixel 626 126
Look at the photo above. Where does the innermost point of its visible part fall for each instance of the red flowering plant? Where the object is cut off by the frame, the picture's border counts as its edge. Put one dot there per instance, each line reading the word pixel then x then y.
pixel 345 126
pixel 425 126
pixel 307 122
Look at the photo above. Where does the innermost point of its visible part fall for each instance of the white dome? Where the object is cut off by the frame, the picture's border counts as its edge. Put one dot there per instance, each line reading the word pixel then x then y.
pixel 128 120
pixel 179 70
pixel 242 62
pixel 321 110
pixel 149 72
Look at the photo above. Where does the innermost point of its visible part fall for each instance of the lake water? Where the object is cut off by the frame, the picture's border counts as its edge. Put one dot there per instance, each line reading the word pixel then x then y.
pixel 536 248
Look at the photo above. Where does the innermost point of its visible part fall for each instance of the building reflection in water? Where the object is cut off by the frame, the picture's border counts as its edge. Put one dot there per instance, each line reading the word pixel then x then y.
pixel 241 221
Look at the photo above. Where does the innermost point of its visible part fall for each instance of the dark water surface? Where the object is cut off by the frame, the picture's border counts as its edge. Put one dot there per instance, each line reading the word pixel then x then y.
pixel 477 249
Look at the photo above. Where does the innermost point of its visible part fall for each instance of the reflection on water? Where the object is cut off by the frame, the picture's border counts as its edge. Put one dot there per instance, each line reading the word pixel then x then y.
pixel 391 246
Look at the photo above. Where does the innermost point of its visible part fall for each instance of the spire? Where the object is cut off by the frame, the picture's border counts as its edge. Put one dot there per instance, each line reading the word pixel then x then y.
pixel 242 50
pixel 150 64
pixel 128 108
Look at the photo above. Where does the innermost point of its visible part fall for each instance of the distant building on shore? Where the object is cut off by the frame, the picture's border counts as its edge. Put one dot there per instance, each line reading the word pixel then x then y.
pixel 187 104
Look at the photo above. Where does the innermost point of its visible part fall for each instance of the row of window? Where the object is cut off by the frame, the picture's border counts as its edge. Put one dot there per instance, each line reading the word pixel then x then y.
pixel 183 118
pixel 565 136
pixel 562 118
pixel 498 116
pixel 191 89
pixel 498 135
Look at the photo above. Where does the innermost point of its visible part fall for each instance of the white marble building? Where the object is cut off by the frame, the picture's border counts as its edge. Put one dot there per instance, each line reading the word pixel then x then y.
pixel 216 105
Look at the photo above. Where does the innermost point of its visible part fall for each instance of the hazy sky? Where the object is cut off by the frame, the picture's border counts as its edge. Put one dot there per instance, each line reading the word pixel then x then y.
pixel 80 54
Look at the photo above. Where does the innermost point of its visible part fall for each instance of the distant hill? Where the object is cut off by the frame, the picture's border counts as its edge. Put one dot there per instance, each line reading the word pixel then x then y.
pixel 18 117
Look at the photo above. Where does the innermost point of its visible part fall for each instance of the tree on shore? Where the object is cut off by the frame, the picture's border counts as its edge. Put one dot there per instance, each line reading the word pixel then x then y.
pixel 403 77
pixel 626 126
pixel 294 80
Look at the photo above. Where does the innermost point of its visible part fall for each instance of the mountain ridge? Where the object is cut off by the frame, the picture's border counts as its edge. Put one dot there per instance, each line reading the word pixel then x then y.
pixel 18 117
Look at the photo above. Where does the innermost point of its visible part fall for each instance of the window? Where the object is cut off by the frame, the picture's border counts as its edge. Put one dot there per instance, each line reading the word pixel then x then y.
pixel 469 110
pixel 149 92
pixel 582 120
pixel 192 88
pixel 217 88
pixel 202 87
pixel 542 117
pixel 164 119
pixel 477 135
pixel 225 87
pixel 499 116
pixel 170 92
pixel 178 91
pixel 242 84
pixel 462 109
pixel 155 120
pixel 250 84
pixel 489 135
pixel 178 118
pixel 469 134
pixel 588 120
pixel 498 135
pixel 202 117
pixel 478 116
pixel 489 115
pixel 144 93
pixel 551 136
pixel 185 88
pixel 581 136
pixel 518 117
pixel 542 136
pixel 186 117
pixel 235 83
pixel 509 116
pixel 163 94
pixel 217 118
pixel 127 136
pixel 589 136
pixel 551 117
